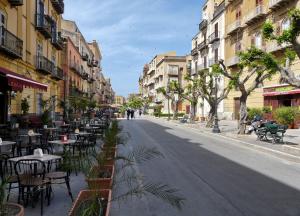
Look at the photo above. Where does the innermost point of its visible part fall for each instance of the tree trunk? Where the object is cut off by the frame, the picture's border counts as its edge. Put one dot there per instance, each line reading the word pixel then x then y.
pixel 210 118
pixel 175 113
pixel 243 114
pixel 193 111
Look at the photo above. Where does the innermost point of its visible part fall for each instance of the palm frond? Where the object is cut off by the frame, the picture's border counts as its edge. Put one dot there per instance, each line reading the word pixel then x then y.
pixel 142 154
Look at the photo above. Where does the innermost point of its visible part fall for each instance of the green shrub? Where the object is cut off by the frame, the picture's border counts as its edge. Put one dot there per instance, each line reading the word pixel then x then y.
pixel 286 115
pixel 266 110
pixel 253 112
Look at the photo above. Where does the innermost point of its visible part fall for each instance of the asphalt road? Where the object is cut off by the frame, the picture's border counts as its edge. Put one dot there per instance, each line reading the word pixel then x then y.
pixel 216 176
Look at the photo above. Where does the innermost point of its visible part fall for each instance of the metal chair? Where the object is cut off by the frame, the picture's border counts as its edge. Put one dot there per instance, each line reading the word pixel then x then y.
pixel 32 182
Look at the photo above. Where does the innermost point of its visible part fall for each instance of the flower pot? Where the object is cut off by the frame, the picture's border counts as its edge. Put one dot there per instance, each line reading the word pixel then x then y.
pixel 101 183
pixel 86 195
pixel 14 209
pixel 111 158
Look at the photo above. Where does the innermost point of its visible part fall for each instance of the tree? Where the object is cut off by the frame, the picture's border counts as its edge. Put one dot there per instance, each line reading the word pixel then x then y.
pixel 291 37
pixel 254 68
pixel 135 102
pixel 192 93
pixel 206 85
pixel 173 89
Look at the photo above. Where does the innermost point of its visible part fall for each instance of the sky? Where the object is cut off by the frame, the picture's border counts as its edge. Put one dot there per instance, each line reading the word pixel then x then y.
pixel 132 32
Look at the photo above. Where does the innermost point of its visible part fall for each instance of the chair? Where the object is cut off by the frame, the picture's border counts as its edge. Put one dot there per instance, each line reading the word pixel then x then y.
pixel 32 182
pixel 60 175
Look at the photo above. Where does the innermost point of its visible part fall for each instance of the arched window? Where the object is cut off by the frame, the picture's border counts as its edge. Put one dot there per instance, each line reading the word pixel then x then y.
pixel 285 24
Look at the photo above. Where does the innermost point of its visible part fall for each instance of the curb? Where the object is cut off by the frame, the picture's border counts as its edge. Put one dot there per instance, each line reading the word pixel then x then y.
pixel 276 153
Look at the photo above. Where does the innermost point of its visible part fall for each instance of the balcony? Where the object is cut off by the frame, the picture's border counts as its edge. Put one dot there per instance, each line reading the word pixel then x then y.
pixel 44 65
pixel 90 63
pixel 84 56
pixel 273 46
pixel 232 61
pixel 277 4
pixel 58 5
pixel 173 72
pixel 75 67
pixel 213 61
pixel 95 63
pixel 10 44
pixel 234 27
pixel 202 45
pixel 202 66
pixel 43 25
pixel 214 37
pixel 194 51
pixel 16 2
pixel 57 73
pixel 57 41
pixel 203 25
pixel 219 9
pixel 255 15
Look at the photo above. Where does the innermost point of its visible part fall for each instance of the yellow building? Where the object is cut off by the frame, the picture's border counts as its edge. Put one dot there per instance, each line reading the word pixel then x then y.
pixel 30 58
pixel 244 20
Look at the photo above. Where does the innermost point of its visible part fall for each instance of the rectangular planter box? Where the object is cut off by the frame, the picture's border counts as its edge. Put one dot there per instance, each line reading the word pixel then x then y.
pixel 88 194
pixel 101 183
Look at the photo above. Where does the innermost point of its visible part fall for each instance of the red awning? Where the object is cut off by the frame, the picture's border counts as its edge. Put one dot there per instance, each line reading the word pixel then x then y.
pixel 269 94
pixel 18 82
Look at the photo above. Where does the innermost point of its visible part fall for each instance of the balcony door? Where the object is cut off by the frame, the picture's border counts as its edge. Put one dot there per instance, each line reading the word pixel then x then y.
pixel 259 2
pixel 2 26
pixel 39 54
pixel 216 30
pixel 216 56
pixel 238 14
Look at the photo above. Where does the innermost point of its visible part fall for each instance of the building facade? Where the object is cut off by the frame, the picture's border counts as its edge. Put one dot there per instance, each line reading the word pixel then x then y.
pixel 30 58
pixel 244 21
pixel 160 71
pixel 208 48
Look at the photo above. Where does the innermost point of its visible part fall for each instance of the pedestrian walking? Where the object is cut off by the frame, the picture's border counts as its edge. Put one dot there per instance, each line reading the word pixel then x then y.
pixel 132 114
pixel 128 113
pixel 140 112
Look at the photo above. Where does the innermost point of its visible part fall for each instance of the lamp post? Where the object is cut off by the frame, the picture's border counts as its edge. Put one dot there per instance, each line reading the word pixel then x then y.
pixel 216 128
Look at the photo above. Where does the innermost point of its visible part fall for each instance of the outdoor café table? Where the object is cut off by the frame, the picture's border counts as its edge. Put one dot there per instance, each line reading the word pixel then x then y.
pixel 7 143
pixel 30 138
pixel 65 144
pixel 45 158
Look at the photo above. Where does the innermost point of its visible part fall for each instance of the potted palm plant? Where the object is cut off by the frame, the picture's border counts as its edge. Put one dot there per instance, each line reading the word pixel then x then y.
pixel 8 209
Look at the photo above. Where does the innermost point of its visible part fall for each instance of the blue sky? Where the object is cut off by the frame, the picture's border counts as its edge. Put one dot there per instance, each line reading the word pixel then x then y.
pixel 132 32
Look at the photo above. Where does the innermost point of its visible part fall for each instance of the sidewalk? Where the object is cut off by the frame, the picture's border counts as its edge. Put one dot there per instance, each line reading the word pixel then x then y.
pixel 289 150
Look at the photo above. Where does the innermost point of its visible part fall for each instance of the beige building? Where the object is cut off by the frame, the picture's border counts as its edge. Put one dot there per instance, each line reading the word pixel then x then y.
pixel 244 20
pixel 30 59
pixel 161 70
pixel 208 48
pixel 119 100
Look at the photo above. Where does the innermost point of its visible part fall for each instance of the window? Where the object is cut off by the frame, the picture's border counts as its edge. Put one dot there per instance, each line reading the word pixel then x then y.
pixel 173 69
pixel 238 47
pixel 238 13
pixel 259 2
pixel 257 40
pixel 2 25
pixel 285 24
pixel 216 30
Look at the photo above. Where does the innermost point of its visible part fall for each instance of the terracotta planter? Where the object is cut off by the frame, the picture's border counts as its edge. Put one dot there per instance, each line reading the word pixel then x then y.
pixel 19 208
pixel 89 194
pixel 101 183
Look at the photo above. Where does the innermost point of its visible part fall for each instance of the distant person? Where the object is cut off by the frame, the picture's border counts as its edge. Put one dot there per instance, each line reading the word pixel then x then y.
pixel 128 113
pixel 132 114
pixel 140 112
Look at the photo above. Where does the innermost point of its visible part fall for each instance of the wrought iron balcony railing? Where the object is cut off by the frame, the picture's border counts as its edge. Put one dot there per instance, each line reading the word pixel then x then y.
pixel 57 73
pixel 84 56
pixel 233 27
pixel 10 44
pixel 214 37
pixel 202 45
pixel 219 9
pixel 43 25
pixel 57 40
pixel 44 65
pixel 253 16
pixel 277 4
pixel 16 2
pixel 203 25
pixel 194 51
pixel 58 5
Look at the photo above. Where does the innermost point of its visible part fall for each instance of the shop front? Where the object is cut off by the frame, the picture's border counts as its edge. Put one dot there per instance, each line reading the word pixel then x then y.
pixel 283 95
pixel 10 83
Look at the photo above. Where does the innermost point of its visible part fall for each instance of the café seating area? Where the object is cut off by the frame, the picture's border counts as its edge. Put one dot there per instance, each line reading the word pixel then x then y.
pixel 36 161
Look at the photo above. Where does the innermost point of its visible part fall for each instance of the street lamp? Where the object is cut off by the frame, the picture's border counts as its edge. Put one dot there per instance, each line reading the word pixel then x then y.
pixel 216 128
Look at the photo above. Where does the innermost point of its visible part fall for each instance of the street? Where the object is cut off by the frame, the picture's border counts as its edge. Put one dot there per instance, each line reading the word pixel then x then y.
pixel 216 176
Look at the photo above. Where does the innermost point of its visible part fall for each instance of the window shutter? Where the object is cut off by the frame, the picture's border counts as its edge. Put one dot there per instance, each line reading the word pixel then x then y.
pixel 252 41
